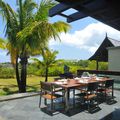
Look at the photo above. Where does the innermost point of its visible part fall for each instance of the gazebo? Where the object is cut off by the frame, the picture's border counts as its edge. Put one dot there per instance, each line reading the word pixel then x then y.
pixel 101 55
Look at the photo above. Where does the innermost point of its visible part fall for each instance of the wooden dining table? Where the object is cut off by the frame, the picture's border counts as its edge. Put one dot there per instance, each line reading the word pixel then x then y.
pixel 68 84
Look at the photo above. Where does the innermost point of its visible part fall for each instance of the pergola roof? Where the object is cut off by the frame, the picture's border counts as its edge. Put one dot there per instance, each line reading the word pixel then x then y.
pixel 106 11
pixel 102 53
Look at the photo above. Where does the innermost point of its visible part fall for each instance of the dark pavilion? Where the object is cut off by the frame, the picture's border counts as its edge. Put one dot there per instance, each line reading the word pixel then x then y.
pixel 101 55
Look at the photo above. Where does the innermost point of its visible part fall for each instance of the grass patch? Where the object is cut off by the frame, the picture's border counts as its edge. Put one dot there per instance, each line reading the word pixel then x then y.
pixel 9 86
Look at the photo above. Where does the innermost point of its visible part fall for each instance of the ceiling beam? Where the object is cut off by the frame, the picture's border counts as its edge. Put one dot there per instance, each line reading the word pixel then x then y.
pixel 73 1
pixel 76 16
pixel 58 9
pixel 95 5
pixel 114 20
pixel 87 10
pixel 62 7
pixel 66 16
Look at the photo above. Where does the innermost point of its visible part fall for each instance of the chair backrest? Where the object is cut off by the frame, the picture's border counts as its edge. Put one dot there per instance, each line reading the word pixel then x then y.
pixel 67 75
pixel 92 86
pixel 109 83
pixel 46 87
pixel 58 78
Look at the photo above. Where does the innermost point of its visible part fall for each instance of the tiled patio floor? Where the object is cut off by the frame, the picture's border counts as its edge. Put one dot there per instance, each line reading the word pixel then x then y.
pixel 27 109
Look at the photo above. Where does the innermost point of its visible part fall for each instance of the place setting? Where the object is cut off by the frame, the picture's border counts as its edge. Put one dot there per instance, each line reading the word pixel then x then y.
pixel 61 81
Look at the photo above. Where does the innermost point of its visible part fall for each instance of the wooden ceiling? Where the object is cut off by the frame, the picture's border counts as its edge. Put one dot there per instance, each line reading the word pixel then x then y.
pixel 106 11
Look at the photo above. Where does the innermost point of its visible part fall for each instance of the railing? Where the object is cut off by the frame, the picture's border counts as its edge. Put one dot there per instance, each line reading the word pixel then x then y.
pixel 116 73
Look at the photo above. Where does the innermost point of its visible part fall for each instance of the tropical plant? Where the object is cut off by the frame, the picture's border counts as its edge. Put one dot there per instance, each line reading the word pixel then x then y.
pixel 28 30
pixel 2 43
pixel 49 59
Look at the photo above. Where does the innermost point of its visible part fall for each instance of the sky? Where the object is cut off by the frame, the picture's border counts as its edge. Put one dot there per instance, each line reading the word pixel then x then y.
pixel 81 42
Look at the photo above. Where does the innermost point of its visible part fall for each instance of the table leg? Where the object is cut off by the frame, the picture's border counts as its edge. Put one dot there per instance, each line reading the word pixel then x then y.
pixel 66 100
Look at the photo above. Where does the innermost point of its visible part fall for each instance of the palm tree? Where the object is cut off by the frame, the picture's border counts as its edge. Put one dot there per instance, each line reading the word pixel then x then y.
pixel 2 43
pixel 14 24
pixel 28 30
pixel 49 59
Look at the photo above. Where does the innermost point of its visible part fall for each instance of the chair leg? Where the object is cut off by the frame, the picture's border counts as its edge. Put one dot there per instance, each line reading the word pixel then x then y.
pixel 40 101
pixel 74 97
pixel 105 96
pixel 88 102
pixel 112 93
pixel 63 94
pixel 51 104
pixel 97 100
pixel 45 101
pixel 63 98
pixel 68 95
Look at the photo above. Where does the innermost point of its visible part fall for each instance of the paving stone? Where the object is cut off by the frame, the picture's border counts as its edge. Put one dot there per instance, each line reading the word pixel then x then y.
pixel 27 109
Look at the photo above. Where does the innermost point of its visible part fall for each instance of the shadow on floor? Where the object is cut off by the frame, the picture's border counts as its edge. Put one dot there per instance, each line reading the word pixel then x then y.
pixel 115 115
pixel 74 109
pixel 81 108
pixel 111 102
pixel 59 108
pixel 49 112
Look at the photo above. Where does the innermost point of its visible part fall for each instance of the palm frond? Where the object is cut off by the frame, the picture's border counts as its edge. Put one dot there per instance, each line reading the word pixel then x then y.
pixel 43 10
pixel 13 53
pixel 61 27
pixel 2 43
pixel 38 62
pixel 29 7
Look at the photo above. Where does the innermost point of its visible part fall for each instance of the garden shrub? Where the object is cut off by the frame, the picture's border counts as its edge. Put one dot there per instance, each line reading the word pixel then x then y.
pixel 7 73
pixel 55 71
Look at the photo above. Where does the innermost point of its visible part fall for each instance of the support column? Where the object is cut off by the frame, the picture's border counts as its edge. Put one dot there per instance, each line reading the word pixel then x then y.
pixel 97 64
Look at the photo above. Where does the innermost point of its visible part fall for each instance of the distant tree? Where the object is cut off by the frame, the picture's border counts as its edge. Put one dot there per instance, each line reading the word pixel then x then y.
pixel 83 63
pixel 103 65
pixel 49 59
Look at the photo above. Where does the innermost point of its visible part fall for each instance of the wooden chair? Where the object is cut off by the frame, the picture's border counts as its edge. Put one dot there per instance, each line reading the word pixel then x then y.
pixel 91 95
pixel 57 88
pixel 107 89
pixel 67 75
pixel 48 93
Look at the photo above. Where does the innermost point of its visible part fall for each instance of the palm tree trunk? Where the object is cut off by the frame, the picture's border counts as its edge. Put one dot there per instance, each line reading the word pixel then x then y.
pixel 17 75
pixel 23 73
pixel 46 74
pixel 23 59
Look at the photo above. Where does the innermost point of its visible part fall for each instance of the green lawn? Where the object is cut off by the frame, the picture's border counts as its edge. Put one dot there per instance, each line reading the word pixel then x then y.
pixel 9 86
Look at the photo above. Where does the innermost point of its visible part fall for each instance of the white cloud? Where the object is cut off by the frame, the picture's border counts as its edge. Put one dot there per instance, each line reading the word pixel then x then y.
pixel 3 56
pixel 88 38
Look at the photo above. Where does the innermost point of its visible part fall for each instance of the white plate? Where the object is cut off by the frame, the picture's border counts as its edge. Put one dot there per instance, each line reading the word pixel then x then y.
pixel 99 78
pixel 59 83
pixel 83 81
pixel 62 80
pixel 76 78
pixel 85 77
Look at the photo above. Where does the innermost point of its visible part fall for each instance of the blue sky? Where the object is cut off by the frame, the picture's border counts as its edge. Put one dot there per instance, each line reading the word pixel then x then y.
pixel 80 42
